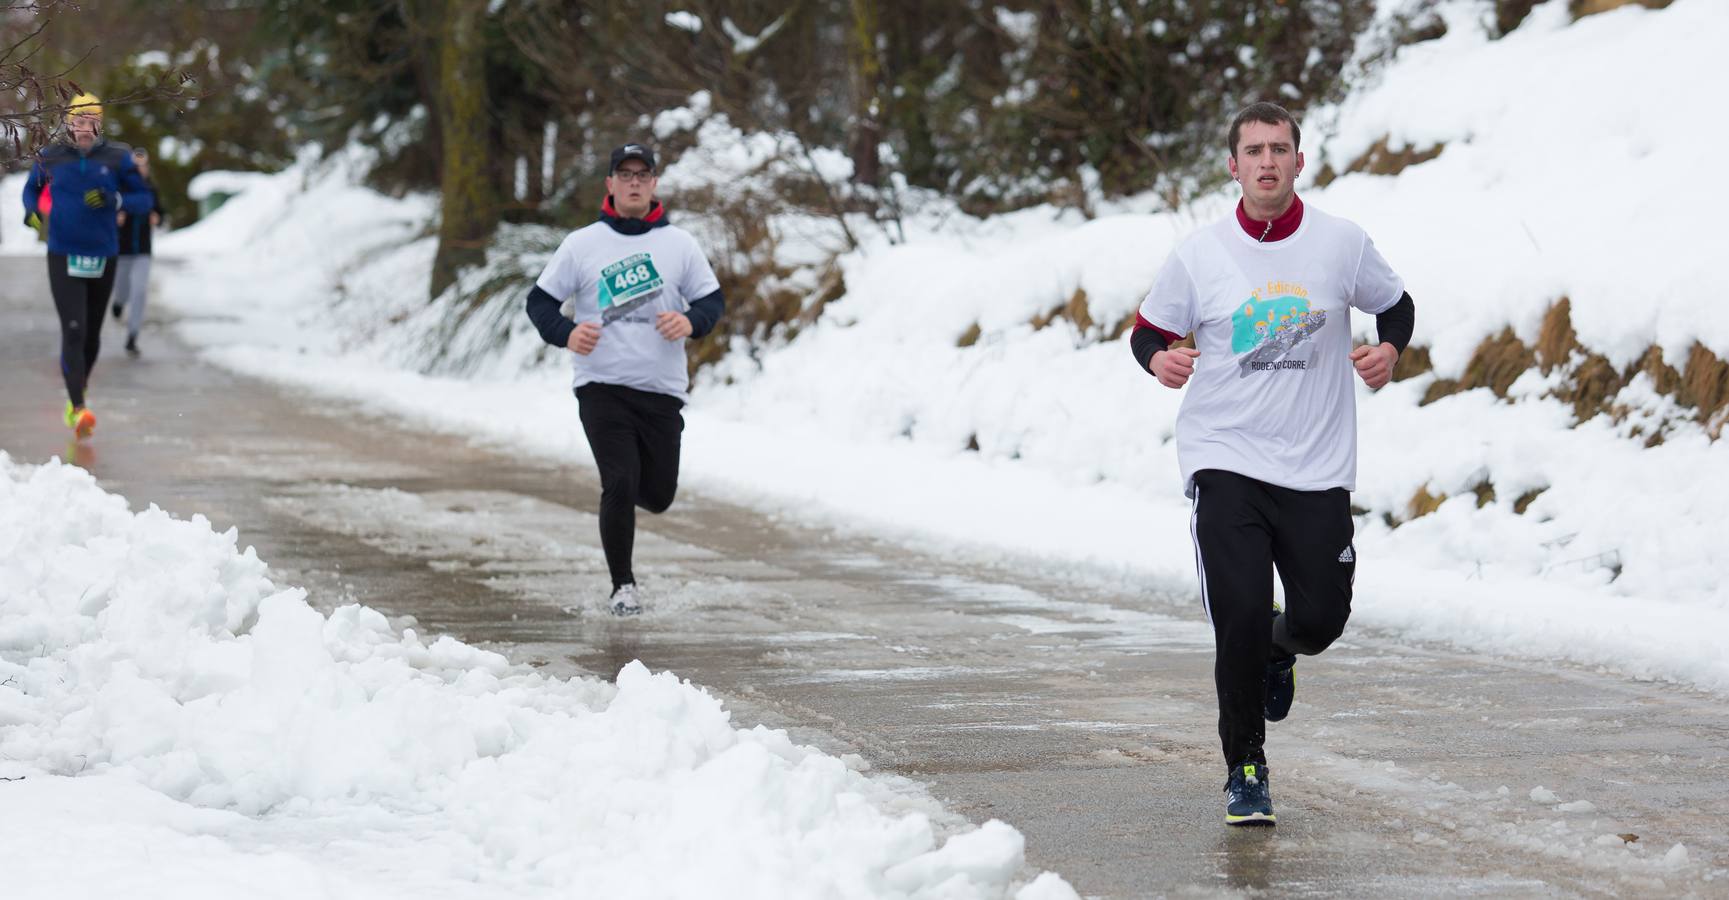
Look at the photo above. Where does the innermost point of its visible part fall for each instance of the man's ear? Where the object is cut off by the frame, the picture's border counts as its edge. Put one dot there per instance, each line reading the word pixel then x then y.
pixel 1299 162
pixel 1231 163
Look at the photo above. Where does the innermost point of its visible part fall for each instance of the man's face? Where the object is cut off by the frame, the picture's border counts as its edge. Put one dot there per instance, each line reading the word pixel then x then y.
pixel 143 164
pixel 632 187
pixel 84 130
pixel 1266 164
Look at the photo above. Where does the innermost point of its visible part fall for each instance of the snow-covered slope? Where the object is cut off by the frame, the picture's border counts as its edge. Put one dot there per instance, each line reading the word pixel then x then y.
pixel 1564 172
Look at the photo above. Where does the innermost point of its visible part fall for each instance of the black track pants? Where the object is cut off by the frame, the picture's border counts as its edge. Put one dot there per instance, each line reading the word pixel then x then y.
pixel 1243 528
pixel 80 303
pixel 635 437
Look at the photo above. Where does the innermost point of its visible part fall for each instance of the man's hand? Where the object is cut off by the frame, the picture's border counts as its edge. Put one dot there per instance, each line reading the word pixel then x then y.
pixel 672 326
pixel 155 218
pixel 95 199
pixel 120 218
pixel 584 337
pixel 1375 364
pixel 1174 366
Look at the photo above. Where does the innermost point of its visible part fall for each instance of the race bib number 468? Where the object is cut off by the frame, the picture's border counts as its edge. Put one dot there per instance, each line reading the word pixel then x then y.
pixel 628 284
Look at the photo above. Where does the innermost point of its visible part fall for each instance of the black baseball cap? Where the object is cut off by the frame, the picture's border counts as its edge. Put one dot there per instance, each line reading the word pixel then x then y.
pixel 631 151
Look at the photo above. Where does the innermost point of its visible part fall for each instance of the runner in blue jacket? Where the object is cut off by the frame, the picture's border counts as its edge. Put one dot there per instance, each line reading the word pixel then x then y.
pixel 87 177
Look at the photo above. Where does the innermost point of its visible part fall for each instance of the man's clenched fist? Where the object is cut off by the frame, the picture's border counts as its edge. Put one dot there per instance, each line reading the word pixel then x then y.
pixel 584 337
pixel 1375 364
pixel 1174 366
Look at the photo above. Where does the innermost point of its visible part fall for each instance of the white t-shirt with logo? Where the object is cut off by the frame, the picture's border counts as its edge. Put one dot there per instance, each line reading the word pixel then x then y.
pixel 624 281
pixel 1272 395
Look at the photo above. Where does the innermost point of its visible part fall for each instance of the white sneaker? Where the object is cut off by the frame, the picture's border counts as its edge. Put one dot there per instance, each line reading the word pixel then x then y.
pixel 624 601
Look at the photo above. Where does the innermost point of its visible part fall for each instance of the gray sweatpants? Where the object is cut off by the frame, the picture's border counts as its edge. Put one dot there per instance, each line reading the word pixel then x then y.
pixel 131 287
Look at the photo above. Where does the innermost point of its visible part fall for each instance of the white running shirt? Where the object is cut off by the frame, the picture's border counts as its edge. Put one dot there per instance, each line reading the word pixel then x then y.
pixel 1271 396
pixel 624 281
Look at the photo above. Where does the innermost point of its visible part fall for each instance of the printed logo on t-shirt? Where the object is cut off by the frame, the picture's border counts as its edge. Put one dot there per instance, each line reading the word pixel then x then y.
pixel 1270 331
pixel 626 285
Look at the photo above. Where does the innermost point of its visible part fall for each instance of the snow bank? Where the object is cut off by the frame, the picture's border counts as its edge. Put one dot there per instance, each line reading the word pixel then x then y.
pixel 184 727
pixel 1565 172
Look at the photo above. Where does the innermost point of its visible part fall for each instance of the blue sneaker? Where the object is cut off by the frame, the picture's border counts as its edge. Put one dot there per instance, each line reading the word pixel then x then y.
pixel 1248 796
pixel 1281 689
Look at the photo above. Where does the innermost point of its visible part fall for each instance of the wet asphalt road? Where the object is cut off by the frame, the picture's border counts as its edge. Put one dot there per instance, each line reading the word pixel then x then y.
pixel 1075 707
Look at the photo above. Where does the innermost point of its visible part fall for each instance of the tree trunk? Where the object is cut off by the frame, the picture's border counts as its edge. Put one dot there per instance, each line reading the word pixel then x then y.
pixel 470 192
pixel 867 132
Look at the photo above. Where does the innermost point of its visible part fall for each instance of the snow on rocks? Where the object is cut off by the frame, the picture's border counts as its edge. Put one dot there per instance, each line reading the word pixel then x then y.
pixel 163 697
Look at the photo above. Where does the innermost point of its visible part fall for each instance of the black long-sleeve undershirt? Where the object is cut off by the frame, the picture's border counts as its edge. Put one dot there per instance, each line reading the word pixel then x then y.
pixel 1145 342
pixel 704 313
pixel 1394 325
pixel 555 329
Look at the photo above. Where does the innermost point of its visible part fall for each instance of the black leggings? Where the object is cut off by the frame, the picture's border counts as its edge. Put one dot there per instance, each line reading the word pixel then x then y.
pixel 1242 529
pixel 80 303
pixel 635 437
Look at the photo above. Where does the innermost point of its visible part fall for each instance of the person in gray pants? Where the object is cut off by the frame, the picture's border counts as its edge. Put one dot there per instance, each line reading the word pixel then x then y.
pixel 132 268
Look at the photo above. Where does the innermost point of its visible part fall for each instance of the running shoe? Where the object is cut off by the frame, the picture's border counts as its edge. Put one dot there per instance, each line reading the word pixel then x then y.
pixel 80 419
pixel 1249 796
pixel 625 601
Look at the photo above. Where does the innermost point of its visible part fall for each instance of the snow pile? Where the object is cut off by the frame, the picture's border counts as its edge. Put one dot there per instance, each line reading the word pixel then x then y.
pixel 996 335
pixel 301 234
pixel 153 679
pixel 16 238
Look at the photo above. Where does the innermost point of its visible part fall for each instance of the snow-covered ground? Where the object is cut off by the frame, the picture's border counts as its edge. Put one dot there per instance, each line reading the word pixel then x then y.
pixel 1573 185
pixel 184 727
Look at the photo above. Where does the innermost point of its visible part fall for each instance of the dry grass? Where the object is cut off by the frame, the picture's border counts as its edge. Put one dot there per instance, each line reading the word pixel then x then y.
pixel 1422 503
pixel 1590 382
pixel 1381 160
pixel 1413 362
pixel 1557 340
pixel 1583 8
pixel 1663 375
pixel 1594 384
pixel 970 336
pixel 1497 362
pixel 1075 310
pixel 1705 384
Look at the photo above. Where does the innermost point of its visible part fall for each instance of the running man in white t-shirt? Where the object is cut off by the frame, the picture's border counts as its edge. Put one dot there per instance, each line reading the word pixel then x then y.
pixel 1267 435
pixel 640 289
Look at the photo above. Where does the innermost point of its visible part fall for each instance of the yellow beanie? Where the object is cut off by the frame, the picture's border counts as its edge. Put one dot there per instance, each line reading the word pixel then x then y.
pixel 85 105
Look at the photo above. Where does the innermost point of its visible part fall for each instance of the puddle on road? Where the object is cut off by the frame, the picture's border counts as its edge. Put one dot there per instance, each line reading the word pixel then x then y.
pixel 1096 625
pixel 275 458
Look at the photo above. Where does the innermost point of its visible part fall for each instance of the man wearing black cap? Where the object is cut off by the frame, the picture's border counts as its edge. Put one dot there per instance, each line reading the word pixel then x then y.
pixel 641 287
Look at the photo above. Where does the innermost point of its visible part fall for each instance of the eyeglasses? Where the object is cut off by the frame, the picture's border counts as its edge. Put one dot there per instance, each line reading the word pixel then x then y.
pixel 628 175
